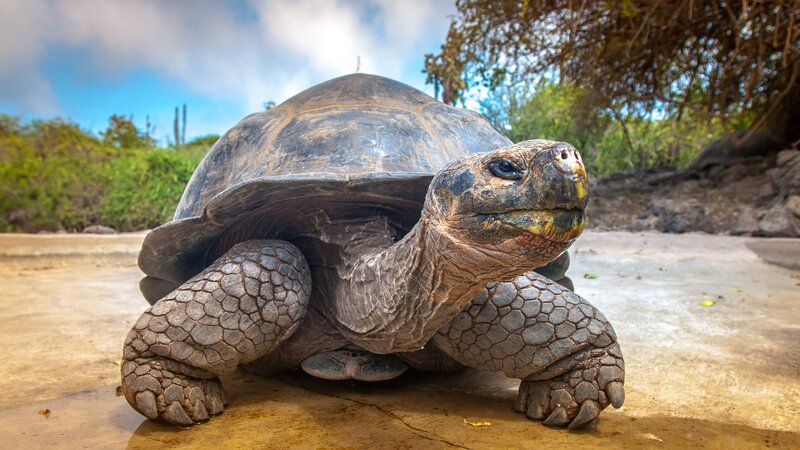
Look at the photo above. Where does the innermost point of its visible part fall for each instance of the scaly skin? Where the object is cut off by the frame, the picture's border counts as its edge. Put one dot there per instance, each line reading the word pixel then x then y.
pixel 240 308
pixel 475 227
pixel 563 349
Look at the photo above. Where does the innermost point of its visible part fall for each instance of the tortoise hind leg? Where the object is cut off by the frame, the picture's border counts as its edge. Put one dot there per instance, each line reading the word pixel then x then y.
pixel 238 309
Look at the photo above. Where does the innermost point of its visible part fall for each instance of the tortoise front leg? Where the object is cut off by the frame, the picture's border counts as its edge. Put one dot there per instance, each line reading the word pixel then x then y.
pixel 235 311
pixel 562 348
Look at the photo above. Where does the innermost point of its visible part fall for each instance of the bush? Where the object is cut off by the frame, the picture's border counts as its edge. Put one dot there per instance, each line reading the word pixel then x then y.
pixel 146 186
pixel 56 176
pixel 608 141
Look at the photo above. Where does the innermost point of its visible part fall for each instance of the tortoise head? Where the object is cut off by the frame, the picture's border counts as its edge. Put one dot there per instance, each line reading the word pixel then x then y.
pixel 521 205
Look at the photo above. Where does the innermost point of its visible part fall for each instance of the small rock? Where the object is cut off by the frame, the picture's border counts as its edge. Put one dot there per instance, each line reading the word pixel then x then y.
pixel 793 205
pixel 680 216
pixel 648 222
pixel 778 222
pixel 99 229
pixel 766 193
pixel 735 173
pixel 787 180
pixel 746 222
pixel 786 156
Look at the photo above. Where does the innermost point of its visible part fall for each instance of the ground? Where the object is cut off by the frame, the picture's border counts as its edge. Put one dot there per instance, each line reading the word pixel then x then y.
pixel 723 376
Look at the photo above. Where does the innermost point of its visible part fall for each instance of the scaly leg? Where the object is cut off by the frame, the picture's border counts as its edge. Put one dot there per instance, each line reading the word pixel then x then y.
pixel 238 309
pixel 562 348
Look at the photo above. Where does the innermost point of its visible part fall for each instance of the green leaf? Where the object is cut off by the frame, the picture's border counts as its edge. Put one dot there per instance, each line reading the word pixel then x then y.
pixel 590 276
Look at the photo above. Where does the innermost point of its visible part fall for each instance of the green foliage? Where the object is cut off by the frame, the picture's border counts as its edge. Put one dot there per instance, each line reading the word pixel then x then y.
pixel 608 144
pixel 204 141
pixel 732 60
pixel 445 69
pixel 54 175
pixel 146 185
pixel 122 133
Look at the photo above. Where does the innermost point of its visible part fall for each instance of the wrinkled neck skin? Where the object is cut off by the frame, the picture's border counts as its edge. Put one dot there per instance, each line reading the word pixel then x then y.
pixel 394 299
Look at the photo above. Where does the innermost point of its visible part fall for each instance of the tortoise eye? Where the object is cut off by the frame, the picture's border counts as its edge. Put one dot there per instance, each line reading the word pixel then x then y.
pixel 504 168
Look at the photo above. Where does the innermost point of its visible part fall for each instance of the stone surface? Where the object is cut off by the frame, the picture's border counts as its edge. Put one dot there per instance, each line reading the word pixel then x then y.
pixel 746 222
pixel 724 376
pixel 677 216
pixel 793 205
pixel 99 229
pixel 788 179
pixel 742 196
pixel 778 221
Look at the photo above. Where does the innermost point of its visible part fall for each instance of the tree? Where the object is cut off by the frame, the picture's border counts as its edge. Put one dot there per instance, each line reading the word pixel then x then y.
pixel 445 70
pixel 122 133
pixel 736 61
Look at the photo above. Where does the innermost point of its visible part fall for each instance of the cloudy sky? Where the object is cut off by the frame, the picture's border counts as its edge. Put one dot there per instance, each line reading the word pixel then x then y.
pixel 88 59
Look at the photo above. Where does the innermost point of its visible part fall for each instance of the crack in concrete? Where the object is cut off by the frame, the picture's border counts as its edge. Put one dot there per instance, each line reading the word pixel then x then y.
pixel 416 431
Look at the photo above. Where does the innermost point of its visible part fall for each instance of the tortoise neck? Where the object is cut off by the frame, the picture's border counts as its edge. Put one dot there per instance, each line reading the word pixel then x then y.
pixel 395 299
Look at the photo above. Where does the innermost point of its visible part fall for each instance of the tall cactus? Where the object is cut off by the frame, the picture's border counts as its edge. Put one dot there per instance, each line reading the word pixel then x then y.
pixel 183 129
pixel 175 129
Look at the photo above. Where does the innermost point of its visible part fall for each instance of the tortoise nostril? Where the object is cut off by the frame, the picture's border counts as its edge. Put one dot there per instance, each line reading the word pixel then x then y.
pixel 564 155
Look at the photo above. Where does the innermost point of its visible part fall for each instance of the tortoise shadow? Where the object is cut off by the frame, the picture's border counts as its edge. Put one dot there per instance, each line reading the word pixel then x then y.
pixel 471 409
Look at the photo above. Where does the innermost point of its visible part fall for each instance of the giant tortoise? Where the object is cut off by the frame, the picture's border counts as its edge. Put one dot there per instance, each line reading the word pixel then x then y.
pixel 361 228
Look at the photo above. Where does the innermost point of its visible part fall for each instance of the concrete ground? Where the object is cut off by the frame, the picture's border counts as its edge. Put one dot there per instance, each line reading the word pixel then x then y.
pixel 719 376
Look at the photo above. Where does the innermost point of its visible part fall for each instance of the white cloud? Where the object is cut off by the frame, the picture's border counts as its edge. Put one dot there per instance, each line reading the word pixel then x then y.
pixel 24 28
pixel 280 48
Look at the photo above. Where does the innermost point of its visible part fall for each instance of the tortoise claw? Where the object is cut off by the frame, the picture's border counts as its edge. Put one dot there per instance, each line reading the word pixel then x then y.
pixel 558 418
pixel 535 411
pixel 615 393
pixel 146 403
pixel 176 415
pixel 589 412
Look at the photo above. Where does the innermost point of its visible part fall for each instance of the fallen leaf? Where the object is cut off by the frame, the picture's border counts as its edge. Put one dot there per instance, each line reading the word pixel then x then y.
pixel 119 391
pixel 737 289
pixel 45 413
pixel 590 276
pixel 707 302
pixel 478 424
pixel 653 437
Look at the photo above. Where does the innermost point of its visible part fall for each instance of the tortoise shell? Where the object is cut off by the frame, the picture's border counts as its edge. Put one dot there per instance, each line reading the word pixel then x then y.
pixel 358 145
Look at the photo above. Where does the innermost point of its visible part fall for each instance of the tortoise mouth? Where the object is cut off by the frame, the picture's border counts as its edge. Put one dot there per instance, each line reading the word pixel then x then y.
pixel 559 225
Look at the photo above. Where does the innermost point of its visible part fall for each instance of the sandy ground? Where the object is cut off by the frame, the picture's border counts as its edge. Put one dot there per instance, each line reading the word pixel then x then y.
pixel 721 376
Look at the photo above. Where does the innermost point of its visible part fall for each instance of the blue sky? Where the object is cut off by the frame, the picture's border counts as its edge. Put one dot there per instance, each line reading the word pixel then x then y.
pixel 88 59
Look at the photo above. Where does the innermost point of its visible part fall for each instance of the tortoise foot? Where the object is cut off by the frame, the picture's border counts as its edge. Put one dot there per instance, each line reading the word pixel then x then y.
pixel 155 389
pixel 353 365
pixel 575 399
